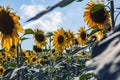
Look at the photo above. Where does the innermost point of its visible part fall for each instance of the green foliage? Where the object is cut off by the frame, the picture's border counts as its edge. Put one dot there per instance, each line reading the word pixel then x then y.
pixel 97 8
pixel 85 76
pixel 24 59
pixel 12 64
pixel 37 33
pixel 94 31
pixel 24 38
pixel 50 64
pixel 29 31
pixel 49 34
pixel 68 2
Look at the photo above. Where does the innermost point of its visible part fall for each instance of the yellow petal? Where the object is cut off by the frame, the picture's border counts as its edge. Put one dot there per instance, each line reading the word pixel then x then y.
pixel 6 42
pixel 19 28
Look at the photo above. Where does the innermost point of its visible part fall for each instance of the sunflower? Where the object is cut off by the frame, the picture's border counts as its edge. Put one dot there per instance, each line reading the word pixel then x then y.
pixel 59 39
pixel 82 36
pixel 9 28
pixel 31 58
pixel 97 36
pixel 4 58
pixel 70 38
pixel 52 55
pixel 96 15
pixel 9 57
pixel 2 70
pixel 37 49
pixel 27 54
pixel 34 59
pixel 1 58
pixel 28 61
pixel 40 38
pixel 39 60
pixel 76 41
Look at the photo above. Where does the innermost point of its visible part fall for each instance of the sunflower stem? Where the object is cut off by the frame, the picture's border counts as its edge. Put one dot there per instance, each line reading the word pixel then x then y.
pixel 18 61
pixel 51 62
pixel 21 56
pixel 50 43
pixel 112 13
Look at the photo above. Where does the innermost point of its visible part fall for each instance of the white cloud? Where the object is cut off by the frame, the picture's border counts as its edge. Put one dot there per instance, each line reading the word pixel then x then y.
pixel 31 10
pixel 49 22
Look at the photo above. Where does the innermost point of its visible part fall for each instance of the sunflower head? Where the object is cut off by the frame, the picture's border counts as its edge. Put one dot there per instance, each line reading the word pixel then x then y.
pixel 37 49
pixel 40 38
pixel 39 61
pixel 76 41
pixel 96 15
pixel 33 59
pixel 1 58
pixel 9 55
pixel 9 28
pixel 27 54
pixel 70 38
pixel 28 61
pixel 82 36
pixel 96 36
pixel 59 39
pixel 2 70
pixel 6 22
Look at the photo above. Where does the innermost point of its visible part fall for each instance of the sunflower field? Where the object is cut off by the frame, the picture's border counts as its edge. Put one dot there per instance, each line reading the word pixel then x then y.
pixel 57 55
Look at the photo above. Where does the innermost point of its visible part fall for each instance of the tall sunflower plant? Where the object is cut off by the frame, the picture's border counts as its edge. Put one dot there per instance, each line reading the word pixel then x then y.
pixel 58 55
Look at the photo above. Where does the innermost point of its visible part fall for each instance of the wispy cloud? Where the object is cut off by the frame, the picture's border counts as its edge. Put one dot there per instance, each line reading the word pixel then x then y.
pixel 49 22
pixel 31 10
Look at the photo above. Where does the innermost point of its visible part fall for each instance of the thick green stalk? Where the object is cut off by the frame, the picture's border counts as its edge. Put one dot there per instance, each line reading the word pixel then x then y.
pixel 51 62
pixel 18 61
pixel 21 56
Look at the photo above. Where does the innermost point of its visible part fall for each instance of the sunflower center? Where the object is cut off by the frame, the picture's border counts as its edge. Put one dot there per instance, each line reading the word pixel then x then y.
pixel 37 49
pixel 98 13
pixel 83 35
pixel 1 70
pixel 40 37
pixel 34 59
pixel 6 23
pixel 94 38
pixel 76 41
pixel 60 39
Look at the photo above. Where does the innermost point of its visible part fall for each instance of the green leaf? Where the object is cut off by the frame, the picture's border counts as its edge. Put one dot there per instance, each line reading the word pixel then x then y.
pixel 94 31
pixel 37 33
pixel 97 7
pixel 67 78
pixel 29 31
pixel 24 38
pixel 66 3
pixel 24 59
pixel 12 64
pixel 58 58
pixel 85 76
pixel 49 34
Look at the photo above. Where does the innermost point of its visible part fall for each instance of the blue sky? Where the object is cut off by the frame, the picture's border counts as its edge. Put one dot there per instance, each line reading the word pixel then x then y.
pixel 69 17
